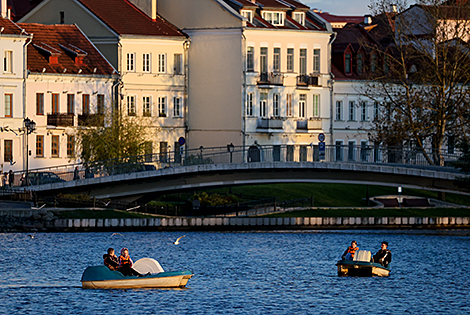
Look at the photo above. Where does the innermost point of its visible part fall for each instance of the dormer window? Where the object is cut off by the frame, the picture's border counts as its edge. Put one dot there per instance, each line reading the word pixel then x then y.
pixel 275 18
pixel 248 14
pixel 347 63
pixel 299 17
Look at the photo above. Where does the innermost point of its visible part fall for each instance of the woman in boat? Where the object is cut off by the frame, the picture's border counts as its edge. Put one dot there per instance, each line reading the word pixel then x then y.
pixel 383 256
pixel 110 260
pixel 125 264
pixel 350 251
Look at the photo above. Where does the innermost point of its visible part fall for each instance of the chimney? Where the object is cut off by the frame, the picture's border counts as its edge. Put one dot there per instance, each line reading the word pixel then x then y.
pixel 3 9
pixel 154 9
pixel 367 19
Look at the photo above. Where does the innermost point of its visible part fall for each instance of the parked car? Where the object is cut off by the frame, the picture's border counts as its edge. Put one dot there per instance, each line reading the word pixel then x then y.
pixel 40 178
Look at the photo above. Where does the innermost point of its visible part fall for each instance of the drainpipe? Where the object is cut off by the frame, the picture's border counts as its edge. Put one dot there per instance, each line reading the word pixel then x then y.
pixel 25 75
pixel 186 102
pixel 330 86
pixel 244 96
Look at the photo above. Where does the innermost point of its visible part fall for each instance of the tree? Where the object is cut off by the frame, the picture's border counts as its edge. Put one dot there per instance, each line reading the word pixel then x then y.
pixel 421 74
pixel 112 136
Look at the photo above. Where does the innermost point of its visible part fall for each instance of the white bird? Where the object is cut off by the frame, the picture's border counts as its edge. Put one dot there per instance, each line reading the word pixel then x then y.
pixel 133 208
pixel 178 240
pixel 116 234
pixel 32 236
pixel 41 206
pixel 106 203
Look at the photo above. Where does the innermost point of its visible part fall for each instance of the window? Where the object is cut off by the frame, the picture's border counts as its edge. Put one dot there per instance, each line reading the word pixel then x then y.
pixel 40 146
pixel 70 146
pixel 249 104
pixel 8 105
pixel 248 15
pixel 352 111
pixel 275 18
pixel 450 144
pixel 55 103
pixel 376 110
pixel 250 59
pixel 146 106
pixel 347 63
pixel 360 63
pixel 363 111
pixel 373 62
pixel 290 59
pixel 364 151
pixel 178 63
pixel 299 17
pixel 316 105
pixel 163 152
pixel 263 60
pixel 351 151
pixel 161 63
pixel 276 110
pixel 339 110
pixel 146 62
pixel 8 151
pixel 130 62
pixel 316 60
pixel 289 105
pixel 303 153
pixel 131 105
pixel 162 106
pixel 302 99
pixel 339 150
pixel 39 103
pixel 100 104
pixel 55 146
pixel 289 153
pixel 177 106
pixel 263 98
pixel 277 60
pixel 148 151
pixel 8 61
pixel 303 61
pixel 70 104
pixel 86 104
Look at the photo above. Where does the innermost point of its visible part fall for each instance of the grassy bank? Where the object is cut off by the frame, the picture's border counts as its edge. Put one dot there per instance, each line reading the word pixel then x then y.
pixel 382 212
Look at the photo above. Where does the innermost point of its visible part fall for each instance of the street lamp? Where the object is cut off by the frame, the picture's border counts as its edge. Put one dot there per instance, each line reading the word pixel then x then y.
pixel 29 127
pixel 230 148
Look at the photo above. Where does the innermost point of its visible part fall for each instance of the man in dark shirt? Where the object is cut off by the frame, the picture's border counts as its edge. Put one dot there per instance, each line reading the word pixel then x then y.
pixel 110 260
pixel 383 256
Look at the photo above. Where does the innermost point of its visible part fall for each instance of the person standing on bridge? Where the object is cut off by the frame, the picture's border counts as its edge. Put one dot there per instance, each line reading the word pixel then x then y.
pixel 75 173
pixel 11 178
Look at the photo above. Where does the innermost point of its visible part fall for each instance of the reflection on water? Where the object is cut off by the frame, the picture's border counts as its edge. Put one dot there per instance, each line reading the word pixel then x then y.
pixel 240 273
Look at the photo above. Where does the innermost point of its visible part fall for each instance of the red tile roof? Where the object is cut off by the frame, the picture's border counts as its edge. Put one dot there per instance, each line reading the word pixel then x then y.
pixel 297 4
pixel 126 19
pixel 273 4
pixel 74 51
pixel 9 27
pixel 340 18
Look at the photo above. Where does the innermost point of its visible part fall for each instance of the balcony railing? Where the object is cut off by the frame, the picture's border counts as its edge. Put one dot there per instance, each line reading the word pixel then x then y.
pixel 307 80
pixel 91 120
pixel 269 123
pixel 60 120
pixel 271 78
pixel 310 124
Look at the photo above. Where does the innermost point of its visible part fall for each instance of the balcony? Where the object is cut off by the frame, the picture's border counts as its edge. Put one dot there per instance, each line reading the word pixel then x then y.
pixel 60 120
pixel 271 78
pixel 304 80
pixel 269 124
pixel 91 120
pixel 310 124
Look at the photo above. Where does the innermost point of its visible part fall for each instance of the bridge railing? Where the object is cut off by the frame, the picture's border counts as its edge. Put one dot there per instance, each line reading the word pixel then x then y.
pixel 367 154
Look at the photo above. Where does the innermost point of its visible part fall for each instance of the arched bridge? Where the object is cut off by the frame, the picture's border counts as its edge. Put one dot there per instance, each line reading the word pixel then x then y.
pixel 139 177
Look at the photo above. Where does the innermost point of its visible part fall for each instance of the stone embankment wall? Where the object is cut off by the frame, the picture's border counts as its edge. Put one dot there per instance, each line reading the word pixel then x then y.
pixel 168 224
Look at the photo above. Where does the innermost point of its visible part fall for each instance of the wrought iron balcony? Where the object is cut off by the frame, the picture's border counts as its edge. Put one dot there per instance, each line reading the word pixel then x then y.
pixel 307 80
pixel 269 123
pixel 60 120
pixel 309 124
pixel 271 78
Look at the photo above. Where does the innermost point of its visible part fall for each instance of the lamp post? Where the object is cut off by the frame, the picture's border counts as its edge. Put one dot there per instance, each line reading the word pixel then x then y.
pixel 29 127
pixel 230 148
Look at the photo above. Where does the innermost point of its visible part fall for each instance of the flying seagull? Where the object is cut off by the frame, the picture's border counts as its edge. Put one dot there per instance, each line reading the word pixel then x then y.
pixel 133 208
pixel 41 206
pixel 178 240
pixel 116 234
pixel 106 203
pixel 32 236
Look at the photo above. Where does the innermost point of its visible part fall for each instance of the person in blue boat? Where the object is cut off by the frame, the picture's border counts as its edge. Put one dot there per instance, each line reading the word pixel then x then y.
pixel 125 264
pixel 383 256
pixel 110 260
pixel 350 251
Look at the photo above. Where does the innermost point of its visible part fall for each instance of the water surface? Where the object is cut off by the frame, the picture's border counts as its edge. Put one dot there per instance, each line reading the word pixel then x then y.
pixel 240 273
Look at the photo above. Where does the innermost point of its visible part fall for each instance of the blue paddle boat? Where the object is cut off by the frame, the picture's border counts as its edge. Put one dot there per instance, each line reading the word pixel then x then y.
pixel 101 277
pixel 362 266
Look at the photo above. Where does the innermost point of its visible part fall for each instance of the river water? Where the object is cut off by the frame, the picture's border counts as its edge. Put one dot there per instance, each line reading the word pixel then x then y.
pixel 240 273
